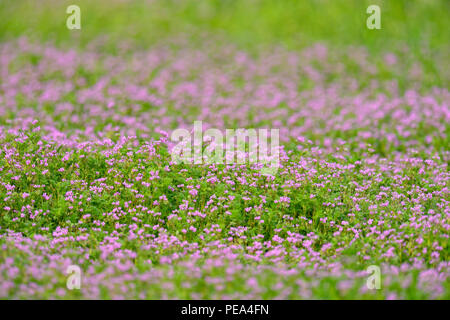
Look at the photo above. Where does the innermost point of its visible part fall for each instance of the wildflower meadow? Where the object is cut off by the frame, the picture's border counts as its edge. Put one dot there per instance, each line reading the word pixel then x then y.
pixel 94 205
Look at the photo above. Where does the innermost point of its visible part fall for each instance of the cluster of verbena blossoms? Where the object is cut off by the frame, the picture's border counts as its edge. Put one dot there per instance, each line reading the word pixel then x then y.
pixel 87 177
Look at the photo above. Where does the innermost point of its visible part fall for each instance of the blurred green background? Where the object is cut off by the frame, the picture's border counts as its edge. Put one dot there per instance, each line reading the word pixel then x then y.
pixel 422 25
pixel 247 22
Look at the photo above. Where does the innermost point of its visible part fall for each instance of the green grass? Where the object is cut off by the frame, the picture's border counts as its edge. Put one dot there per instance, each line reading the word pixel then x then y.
pixel 420 24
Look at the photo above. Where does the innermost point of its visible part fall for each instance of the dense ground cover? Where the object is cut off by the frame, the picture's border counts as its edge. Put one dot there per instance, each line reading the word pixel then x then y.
pixel 86 176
